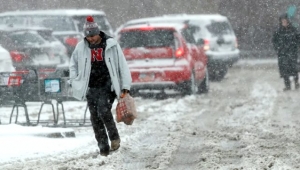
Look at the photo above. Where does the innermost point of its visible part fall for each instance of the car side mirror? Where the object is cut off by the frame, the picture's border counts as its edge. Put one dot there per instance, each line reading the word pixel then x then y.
pixel 200 41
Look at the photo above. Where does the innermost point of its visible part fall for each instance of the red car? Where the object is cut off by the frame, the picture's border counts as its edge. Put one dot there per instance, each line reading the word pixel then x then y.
pixel 160 57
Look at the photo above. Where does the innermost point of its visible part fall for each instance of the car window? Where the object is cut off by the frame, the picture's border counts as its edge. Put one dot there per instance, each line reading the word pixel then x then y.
pixel 47 35
pixel 56 23
pixel 25 38
pixel 189 33
pixel 7 20
pixel 6 41
pixel 219 28
pixel 100 20
pixel 153 38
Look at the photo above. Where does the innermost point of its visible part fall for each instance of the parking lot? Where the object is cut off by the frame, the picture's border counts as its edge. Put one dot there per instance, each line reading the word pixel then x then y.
pixel 246 121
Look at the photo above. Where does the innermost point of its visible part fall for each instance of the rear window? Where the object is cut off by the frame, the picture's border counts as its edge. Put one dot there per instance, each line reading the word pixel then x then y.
pixel 26 38
pixel 219 28
pixel 47 35
pixel 153 38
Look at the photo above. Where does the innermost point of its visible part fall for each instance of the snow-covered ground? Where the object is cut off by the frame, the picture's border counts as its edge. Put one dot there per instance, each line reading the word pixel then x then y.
pixel 245 122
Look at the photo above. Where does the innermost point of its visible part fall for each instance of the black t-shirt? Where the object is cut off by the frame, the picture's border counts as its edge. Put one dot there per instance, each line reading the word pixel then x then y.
pixel 99 76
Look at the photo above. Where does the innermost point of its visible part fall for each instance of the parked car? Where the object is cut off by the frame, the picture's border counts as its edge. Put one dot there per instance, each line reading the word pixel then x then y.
pixel 58 48
pixel 160 57
pixel 32 58
pixel 213 32
pixel 67 24
pixel 28 48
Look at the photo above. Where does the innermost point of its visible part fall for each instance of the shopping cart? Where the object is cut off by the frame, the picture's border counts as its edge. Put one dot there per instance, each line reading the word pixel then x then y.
pixel 12 92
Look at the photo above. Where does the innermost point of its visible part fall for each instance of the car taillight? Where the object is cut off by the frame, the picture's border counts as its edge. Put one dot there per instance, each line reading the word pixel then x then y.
pixel 17 56
pixel 206 45
pixel 179 52
pixel 71 41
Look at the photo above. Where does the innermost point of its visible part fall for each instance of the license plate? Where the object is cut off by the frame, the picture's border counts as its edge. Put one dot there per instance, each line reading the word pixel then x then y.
pixel 146 76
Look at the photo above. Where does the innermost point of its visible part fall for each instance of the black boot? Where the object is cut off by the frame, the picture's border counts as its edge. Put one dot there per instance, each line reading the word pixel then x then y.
pixel 104 148
pixel 287 83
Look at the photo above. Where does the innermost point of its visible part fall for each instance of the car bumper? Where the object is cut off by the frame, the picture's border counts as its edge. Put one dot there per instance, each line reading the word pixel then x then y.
pixel 154 85
pixel 225 58
pixel 159 78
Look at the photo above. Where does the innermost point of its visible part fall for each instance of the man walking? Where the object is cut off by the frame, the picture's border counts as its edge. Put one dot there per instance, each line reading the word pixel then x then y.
pixel 99 72
pixel 286 41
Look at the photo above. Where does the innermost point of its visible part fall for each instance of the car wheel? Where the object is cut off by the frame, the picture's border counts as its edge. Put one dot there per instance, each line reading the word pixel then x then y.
pixel 204 86
pixel 190 86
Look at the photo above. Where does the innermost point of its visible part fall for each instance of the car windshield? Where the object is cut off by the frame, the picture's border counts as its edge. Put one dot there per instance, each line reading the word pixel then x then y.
pixel 153 38
pixel 219 28
pixel 56 23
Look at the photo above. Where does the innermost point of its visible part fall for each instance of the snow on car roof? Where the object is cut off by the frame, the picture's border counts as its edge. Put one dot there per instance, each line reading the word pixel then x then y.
pixel 68 12
pixel 180 17
pixel 176 26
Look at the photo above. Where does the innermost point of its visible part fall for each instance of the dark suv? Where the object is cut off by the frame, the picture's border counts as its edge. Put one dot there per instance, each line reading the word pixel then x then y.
pixel 213 32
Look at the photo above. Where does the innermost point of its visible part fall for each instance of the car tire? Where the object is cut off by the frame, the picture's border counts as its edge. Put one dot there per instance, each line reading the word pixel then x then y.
pixel 204 86
pixel 190 87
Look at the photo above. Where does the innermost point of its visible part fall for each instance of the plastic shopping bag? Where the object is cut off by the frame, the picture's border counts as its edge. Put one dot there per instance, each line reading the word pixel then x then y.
pixel 126 111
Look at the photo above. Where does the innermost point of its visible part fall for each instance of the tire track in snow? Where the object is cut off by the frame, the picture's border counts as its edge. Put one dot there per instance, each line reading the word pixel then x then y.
pixel 158 136
pixel 256 110
pixel 247 133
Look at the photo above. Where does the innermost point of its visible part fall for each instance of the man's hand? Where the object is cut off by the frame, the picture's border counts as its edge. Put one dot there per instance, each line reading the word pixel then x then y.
pixel 124 93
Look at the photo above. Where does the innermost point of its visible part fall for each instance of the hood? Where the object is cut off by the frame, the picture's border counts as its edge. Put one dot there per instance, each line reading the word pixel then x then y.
pixel 284 16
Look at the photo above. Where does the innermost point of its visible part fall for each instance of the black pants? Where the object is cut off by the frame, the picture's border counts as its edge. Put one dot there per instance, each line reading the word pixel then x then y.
pixel 100 102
